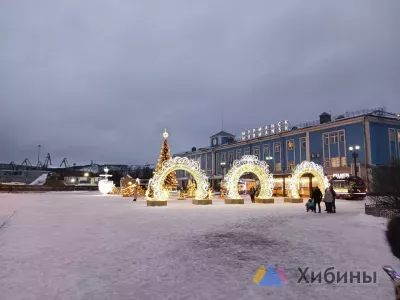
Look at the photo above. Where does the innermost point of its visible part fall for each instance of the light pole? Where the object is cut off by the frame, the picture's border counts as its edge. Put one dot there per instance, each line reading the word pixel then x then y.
pixel 268 159
pixel 354 154
pixel 223 165
pixel 38 154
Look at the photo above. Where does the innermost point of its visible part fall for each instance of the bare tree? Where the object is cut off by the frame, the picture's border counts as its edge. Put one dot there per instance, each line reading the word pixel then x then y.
pixel 385 186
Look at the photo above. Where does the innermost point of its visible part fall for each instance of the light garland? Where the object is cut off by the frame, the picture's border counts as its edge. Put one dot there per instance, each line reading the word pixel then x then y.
pixel 307 167
pixel 249 164
pixel 178 163
pixel 115 191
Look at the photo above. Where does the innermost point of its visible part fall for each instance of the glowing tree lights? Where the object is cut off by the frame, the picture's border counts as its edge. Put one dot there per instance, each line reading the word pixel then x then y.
pixel 307 167
pixel 178 163
pixel 249 164
pixel 170 181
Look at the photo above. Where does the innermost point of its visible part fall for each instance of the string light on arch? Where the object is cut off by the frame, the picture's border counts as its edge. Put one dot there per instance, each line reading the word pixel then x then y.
pixel 178 163
pixel 307 167
pixel 249 164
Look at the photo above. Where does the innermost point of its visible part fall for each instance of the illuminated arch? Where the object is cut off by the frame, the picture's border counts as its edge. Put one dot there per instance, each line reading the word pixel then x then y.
pixel 179 163
pixel 249 164
pixel 307 167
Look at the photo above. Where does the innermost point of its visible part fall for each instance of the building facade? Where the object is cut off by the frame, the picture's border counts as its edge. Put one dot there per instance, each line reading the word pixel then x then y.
pixel 373 134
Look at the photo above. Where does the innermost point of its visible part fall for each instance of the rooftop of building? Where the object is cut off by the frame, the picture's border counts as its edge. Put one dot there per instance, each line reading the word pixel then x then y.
pixel 380 112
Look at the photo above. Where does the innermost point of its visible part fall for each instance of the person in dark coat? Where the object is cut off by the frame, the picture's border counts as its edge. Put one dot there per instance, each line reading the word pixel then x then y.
pixel 334 199
pixel 317 197
pixel 252 194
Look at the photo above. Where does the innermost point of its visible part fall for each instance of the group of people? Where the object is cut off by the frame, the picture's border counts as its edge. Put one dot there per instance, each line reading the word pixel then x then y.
pixel 329 198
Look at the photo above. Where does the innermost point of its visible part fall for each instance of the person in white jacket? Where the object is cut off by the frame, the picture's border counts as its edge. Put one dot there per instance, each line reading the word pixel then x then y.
pixel 328 199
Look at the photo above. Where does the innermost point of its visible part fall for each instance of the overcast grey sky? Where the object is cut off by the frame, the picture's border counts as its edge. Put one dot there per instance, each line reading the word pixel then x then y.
pixel 100 80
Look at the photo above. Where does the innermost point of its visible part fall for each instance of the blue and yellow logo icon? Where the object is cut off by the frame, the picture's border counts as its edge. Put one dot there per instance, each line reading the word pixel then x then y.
pixel 270 276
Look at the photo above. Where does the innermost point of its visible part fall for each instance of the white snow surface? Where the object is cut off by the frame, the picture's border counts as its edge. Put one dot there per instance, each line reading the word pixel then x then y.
pixel 92 247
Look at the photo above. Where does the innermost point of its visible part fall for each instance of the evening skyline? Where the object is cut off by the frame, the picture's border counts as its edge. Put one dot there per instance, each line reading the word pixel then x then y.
pixel 101 80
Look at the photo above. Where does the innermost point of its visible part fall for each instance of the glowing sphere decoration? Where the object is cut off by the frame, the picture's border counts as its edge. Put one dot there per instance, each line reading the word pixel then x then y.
pixel 105 186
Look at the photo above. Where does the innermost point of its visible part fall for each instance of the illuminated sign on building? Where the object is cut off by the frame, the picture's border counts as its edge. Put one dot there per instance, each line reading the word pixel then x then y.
pixel 341 175
pixel 267 130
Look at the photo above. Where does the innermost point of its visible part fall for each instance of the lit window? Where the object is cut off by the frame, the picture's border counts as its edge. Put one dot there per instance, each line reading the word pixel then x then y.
pixel 344 161
pixel 278 167
pixel 335 162
pixel 277 147
pixel 327 163
pixel 290 145
pixel 291 165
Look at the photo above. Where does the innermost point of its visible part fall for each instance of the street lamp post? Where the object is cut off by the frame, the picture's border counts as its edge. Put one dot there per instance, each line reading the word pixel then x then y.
pixel 223 165
pixel 354 154
pixel 268 159
pixel 38 155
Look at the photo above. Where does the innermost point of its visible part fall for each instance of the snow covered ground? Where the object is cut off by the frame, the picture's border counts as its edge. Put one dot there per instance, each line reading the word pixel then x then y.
pixel 91 247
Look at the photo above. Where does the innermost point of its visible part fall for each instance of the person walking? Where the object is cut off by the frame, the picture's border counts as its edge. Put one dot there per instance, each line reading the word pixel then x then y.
pixel 334 199
pixel 328 198
pixel 135 193
pixel 317 197
pixel 252 194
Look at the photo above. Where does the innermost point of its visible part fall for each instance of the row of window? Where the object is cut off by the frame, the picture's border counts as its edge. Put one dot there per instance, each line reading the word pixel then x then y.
pixel 334 137
pixel 392 135
pixel 393 148
pixel 335 162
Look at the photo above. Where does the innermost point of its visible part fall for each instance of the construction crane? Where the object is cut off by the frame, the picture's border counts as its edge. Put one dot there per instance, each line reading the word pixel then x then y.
pixel 26 162
pixel 47 161
pixel 65 162
pixel 13 166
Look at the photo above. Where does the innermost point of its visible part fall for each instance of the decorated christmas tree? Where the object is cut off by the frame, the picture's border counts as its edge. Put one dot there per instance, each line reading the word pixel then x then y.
pixel 191 189
pixel 165 154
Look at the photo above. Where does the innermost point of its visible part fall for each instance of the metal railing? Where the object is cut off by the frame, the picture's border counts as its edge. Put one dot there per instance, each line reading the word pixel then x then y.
pixel 376 211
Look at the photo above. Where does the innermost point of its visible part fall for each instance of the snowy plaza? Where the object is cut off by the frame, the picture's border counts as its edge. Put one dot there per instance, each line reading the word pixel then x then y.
pixel 83 245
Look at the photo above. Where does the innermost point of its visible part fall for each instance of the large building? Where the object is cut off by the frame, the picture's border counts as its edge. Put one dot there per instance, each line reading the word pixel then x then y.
pixel 331 141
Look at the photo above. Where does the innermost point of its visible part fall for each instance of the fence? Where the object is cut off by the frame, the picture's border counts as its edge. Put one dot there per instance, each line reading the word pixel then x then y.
pixel 376 211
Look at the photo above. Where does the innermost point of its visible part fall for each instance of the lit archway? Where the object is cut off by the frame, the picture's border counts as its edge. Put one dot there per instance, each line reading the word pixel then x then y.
pixel 178 163
pixel 307 167
pixel 249 164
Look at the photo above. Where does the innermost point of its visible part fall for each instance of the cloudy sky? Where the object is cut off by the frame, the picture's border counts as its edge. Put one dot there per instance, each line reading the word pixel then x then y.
pixel 100 80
